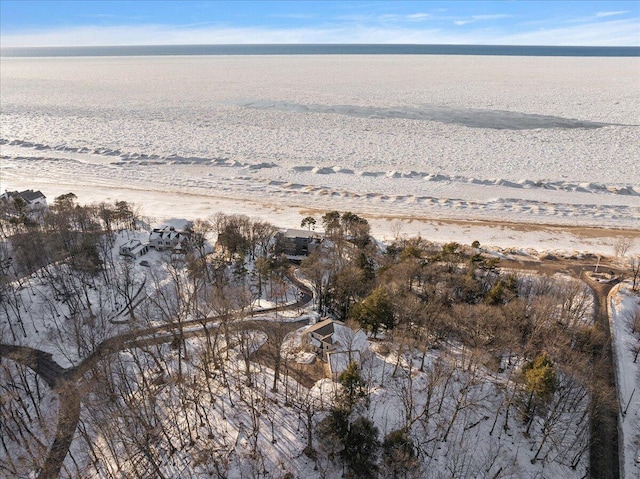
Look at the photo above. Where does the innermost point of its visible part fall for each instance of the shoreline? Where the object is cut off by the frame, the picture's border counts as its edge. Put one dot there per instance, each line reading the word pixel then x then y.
pixel 159 206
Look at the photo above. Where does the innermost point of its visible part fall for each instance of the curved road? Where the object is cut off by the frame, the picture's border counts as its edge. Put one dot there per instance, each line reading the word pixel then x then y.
pixel 64 380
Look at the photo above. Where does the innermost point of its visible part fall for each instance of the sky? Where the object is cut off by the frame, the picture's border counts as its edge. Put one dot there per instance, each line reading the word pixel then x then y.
pixel 512 22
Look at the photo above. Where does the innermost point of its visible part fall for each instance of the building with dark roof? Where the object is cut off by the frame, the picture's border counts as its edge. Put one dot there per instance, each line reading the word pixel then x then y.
pixel 299 244
pixel 34 199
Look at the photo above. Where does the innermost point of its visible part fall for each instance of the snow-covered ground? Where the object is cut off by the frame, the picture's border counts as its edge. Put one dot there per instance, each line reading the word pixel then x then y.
pixel 42 318
pixel 518 139
pixel 623 308
pixel 464 417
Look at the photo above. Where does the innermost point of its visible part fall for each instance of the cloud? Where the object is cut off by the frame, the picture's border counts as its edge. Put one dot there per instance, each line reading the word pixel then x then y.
pixel 169 35
pixel 384 18
pixel 596 32
pixel 611 14
pixel 419 16
pixel 480 18
pixel 494 16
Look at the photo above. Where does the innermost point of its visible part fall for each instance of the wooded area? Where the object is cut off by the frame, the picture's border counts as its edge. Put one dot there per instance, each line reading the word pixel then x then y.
pixel 471 368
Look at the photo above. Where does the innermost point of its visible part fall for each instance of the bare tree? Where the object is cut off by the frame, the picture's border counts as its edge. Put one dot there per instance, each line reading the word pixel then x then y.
pixel 129 287
pixel 634 263
pixel 27 420
pixel 318 268
pixel 261 235
pixel 633 318
pixel 622 246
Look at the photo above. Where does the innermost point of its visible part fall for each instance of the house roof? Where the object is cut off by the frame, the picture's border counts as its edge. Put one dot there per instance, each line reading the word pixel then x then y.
pixel 347 339
pixel 167 232
pixel 296 233
pixel 350 346
pixel 30 195
pixel 164 228
pixel 27 195
pixel 132 243
pixel 323 328
pixel 139 248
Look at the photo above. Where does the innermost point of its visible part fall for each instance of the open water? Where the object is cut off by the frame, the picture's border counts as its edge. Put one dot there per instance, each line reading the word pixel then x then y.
pixel 321 49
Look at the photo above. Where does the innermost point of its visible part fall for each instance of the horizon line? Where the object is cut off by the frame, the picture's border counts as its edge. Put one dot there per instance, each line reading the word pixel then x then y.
pixel 314 44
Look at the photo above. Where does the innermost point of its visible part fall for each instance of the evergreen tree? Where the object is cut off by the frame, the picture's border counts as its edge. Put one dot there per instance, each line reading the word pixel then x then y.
pixel 353 385
pixel 361 449
pixel 540 377
pixel 540 382
pixel 308 222
pixel 375 312
pixel 399 454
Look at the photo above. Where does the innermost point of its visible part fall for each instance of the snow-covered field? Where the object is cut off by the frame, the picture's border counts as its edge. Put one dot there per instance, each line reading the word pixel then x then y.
pixel 418 138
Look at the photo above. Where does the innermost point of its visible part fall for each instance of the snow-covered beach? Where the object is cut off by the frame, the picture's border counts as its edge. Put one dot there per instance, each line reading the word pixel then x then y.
pixel 423 139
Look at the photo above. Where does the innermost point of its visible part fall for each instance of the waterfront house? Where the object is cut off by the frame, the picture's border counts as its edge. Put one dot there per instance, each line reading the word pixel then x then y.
pixel 168 237
pixel 299 244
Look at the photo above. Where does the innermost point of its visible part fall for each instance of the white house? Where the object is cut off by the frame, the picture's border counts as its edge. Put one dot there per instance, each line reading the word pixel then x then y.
pixel 167 237
pixel 320 337
pixel 133 248
pixel 35 201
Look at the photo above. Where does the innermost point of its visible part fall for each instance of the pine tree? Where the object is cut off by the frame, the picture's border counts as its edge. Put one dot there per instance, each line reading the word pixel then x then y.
pixel 375 312
pixel 353 385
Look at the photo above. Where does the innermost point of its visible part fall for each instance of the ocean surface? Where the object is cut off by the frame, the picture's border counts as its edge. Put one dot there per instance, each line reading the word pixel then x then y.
pixel 521 138
pixel 321 49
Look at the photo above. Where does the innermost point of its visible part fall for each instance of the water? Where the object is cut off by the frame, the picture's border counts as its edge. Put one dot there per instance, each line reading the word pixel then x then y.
pixel 517 138
pixel 324 49
pixel 473 118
